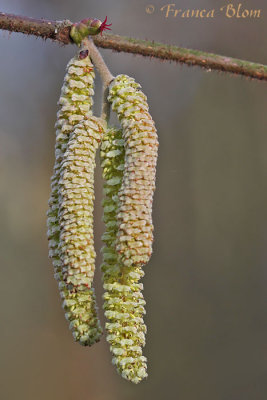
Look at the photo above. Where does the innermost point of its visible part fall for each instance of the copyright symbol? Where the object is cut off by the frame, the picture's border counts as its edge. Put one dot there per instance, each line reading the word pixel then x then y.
pixel 150 9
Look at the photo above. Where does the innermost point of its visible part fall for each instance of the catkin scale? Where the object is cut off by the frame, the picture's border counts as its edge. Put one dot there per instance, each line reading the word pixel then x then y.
pixel 135 232
pixel 123 299
pixel 75 104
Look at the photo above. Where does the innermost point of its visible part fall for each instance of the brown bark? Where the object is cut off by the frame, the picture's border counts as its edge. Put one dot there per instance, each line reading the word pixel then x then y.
pixel 59 31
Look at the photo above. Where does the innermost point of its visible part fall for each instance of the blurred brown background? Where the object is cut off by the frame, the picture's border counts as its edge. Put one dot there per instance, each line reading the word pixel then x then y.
pixel 206 282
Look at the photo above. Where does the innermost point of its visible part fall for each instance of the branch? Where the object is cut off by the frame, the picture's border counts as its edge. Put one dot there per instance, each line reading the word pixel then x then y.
pixel 59 31
pixel 182 55
pixel 56 30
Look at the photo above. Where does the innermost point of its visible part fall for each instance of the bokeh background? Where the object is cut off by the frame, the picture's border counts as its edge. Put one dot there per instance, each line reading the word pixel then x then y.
pixel 206 282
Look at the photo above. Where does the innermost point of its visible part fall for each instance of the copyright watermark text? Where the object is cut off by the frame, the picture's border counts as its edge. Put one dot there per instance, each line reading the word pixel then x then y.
pixel 228 10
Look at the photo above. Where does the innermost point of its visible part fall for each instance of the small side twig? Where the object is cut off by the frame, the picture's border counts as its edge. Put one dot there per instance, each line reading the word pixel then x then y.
pixel 104 73
pixel 98 61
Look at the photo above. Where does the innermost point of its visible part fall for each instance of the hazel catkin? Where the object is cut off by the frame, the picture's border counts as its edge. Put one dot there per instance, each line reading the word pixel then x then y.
pixel 135 232
pixel 75 104
pixel 76 240
pixel 123 299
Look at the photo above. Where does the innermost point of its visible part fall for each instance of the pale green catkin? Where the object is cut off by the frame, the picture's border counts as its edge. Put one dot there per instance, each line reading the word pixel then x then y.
pixel 135 232
pixel 76 241
pixel 123 299
pixel 75 104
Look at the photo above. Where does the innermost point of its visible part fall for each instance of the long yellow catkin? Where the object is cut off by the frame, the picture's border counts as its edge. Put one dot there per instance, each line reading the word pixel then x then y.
pixel 135 233
pixel 123 299
pixel 75 104
pixel 76 242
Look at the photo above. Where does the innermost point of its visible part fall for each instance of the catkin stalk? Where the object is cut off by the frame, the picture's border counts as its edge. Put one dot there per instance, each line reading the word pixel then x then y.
pixel 123 299
pixel 135 232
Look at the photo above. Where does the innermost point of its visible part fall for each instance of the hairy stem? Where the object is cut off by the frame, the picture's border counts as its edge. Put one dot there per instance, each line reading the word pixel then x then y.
pixel 54 30
pixel 59 31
